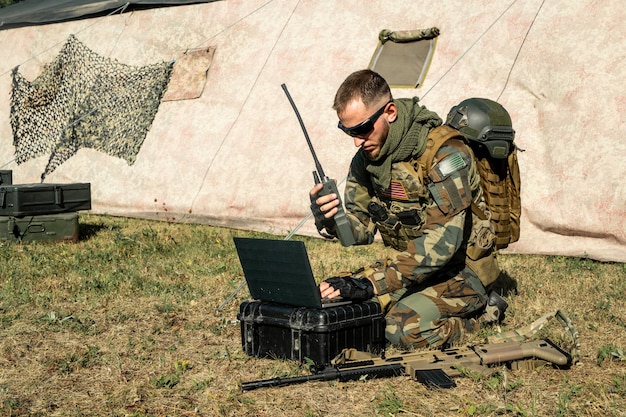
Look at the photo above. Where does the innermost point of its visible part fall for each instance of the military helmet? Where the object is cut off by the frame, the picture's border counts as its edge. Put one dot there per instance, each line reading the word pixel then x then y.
pixel 486 122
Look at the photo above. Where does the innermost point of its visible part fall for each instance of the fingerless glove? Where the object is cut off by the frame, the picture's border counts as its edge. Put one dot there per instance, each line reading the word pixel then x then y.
pixel 325 226
pixel 357 289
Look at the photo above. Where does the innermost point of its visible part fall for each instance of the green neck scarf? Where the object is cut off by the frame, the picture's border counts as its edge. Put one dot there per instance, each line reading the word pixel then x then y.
pixel 406 138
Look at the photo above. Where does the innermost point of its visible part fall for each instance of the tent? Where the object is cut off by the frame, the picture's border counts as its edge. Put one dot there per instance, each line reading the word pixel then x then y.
pixel 230 152
pixel 34 12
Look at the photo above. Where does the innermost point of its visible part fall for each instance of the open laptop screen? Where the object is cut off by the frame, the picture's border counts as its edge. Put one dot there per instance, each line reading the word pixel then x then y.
pixel 278 271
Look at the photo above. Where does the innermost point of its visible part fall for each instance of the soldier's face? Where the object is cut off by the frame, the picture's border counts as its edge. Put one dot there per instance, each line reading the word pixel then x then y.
pixel 368 126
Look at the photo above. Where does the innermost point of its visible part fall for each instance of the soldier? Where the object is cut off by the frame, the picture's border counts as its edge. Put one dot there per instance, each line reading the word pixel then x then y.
pixel 431 298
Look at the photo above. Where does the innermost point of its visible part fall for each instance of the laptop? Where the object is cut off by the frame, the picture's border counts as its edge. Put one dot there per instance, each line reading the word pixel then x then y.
pixel 279 271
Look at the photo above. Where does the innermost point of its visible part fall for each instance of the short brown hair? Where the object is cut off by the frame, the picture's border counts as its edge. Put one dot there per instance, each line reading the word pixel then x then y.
pixel 366 85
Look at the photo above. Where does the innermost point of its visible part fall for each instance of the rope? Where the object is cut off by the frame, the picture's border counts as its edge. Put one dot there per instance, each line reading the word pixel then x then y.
pixel 469 49
pixel 520 50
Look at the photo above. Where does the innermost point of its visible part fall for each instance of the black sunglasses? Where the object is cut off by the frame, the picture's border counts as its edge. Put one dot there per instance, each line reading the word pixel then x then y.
pixel 365 126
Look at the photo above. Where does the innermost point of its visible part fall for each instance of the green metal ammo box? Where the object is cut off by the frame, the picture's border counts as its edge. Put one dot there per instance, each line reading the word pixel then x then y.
pixel 45 227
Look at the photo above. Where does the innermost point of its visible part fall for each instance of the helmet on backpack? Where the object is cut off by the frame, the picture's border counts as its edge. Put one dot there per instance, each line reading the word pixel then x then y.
pixel 486 122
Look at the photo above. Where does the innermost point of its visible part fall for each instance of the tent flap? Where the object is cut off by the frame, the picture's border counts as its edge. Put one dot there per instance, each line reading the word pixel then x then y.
pixel 37 12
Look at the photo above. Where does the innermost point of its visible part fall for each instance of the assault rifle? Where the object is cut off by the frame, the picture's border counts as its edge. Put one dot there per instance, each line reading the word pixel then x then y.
pixel 434 368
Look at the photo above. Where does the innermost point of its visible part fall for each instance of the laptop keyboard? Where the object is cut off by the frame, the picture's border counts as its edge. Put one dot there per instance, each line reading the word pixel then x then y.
pixel 327 300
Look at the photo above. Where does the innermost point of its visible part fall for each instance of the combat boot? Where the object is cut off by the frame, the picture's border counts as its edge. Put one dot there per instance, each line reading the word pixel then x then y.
pixel 494 311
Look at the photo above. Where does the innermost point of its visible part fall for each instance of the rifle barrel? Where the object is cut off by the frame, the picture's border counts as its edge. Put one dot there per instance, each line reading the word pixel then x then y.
pixel 329 374
pixel 326 375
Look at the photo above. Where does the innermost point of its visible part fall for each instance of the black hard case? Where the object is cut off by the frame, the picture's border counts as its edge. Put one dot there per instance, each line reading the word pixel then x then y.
pixel 300 333
pixel 32 199
pixel 45 227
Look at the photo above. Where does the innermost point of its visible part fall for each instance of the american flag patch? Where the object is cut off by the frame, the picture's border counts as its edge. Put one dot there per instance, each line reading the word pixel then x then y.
pixel 395 191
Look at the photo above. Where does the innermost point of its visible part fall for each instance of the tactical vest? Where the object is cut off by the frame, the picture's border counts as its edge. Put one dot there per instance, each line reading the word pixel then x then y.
pixel 399 211
pixel 495 203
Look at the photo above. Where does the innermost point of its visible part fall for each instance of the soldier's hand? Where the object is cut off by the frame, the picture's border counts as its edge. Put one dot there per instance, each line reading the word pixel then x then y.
pixel 357 289
pixel 326 291
pixel 325 206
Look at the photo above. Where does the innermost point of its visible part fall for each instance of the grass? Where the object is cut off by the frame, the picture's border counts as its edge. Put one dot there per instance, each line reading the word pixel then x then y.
pixel 124 323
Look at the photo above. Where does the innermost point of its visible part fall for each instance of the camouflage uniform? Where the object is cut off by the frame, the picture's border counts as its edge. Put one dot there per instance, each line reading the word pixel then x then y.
pixel 434 297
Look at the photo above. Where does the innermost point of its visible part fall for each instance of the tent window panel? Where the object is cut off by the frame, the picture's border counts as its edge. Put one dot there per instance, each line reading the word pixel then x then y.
pixel 403 58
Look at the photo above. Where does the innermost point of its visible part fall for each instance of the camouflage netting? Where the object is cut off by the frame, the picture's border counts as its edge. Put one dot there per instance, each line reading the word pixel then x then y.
pixel 84 100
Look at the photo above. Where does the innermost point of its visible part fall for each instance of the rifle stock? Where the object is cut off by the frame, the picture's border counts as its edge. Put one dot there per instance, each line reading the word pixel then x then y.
pixel 433 368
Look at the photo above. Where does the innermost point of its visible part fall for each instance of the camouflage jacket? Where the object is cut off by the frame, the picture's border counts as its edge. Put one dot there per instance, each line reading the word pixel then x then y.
pixel 427 221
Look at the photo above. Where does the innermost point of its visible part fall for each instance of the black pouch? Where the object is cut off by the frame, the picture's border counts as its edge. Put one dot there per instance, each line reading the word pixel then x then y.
pixel 409 217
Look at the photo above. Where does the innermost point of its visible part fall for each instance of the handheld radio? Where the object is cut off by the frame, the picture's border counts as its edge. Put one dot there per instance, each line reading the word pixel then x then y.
pixel 342 224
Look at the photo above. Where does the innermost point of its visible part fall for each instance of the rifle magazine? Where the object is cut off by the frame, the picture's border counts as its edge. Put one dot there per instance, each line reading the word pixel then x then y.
pixel 434 378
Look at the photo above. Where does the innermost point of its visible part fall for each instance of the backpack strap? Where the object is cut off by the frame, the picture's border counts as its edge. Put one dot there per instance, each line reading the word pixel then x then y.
pixel 436 138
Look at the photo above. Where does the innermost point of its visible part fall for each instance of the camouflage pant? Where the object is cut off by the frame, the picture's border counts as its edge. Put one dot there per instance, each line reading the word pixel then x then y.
pixel 436 315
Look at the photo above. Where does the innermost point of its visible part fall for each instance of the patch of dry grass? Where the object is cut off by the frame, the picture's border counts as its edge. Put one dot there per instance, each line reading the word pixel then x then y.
pixel 123 323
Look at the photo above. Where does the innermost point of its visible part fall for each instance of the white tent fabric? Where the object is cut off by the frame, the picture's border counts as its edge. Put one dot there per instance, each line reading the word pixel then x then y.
pixel 236 156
